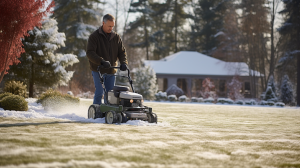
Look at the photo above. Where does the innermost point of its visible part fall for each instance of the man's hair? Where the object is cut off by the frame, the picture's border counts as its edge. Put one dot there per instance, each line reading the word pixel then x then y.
pixel 108 17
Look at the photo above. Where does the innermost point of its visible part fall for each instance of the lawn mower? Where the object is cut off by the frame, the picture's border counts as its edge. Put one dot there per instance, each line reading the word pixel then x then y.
pixel 121 104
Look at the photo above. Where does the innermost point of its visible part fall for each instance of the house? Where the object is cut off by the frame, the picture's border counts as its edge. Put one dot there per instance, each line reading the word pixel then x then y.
pixel 187 69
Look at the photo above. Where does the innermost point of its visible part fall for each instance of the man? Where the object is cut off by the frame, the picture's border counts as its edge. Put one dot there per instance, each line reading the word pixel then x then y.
pixel 105 48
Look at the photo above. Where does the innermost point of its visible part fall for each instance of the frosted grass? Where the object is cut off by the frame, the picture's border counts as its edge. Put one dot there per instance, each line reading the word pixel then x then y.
pixel 187 135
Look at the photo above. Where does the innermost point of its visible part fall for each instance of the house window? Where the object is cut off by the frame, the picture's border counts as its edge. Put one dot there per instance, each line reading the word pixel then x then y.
pixel 181 83
pixel 162 84
pixel 196 87
pixel 222 85
pixel 247 87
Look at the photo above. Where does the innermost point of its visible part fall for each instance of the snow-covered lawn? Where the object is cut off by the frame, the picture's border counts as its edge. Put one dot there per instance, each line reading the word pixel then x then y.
pixel 187 135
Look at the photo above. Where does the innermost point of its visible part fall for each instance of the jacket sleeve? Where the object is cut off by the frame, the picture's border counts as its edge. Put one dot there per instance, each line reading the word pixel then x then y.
pixel 91 50
pixel 122 56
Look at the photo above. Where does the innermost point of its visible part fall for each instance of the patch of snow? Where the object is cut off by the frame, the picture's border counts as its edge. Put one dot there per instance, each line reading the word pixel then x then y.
pixel 78 113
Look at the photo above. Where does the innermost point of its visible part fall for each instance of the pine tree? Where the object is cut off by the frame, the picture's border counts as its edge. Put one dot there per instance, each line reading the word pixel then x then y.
pixel 272 84
pixel 254 30
pixel 17 17
pixel 208 21
pixel 289 62
pixel 286 90
pixel 41 65
pixel 145 82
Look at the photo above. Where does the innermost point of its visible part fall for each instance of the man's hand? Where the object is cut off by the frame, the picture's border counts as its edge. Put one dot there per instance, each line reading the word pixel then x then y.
pixel 123 67
pixel 105 64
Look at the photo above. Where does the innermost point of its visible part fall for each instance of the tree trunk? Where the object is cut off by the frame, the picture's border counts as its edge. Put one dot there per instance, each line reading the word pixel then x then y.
pixel 31 81
pixel 176 25
pixel 298 79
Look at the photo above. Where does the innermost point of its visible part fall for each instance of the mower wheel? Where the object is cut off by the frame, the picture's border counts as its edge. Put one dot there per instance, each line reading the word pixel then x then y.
pixel 110 117
pixel 92 112
pixel 152 118
pixel 119 118
pixel 124 117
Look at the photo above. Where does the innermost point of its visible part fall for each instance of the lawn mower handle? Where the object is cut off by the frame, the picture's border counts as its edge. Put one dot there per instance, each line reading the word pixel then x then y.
pixel 129 78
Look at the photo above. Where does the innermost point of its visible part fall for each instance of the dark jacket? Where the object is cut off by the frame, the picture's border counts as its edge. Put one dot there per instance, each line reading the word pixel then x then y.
pixel 100 48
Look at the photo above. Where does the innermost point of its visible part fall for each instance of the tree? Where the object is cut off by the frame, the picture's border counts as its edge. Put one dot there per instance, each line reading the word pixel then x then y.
pixel 208 21
pixel 78 19
pixel 17 17
pixel 229 36
pixel 41 64
pixel 254 29
pixel 290 35
pixel 286 90
pixel 234 89
pixel 145 82
pixel 207 89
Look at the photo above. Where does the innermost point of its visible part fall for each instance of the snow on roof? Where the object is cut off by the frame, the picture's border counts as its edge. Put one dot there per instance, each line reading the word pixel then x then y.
pixel 195 63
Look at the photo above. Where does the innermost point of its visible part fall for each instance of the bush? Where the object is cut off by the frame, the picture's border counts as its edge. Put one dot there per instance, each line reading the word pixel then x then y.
pixel 2 95
pixel 174 90
pixel 194 99
pixel 209 100
pixel 172 98
pixel 200 100
pixel 271 103
pixel 240 102
pixel 53 99
pixel 14 102
pixel 183 98
pixel 16 88
pixel 280 104
pixel 263 103
pixel 161 96
pixel 251 102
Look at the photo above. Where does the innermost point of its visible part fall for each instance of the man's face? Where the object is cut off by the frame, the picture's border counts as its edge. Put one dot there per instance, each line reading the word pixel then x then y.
pixel 108 26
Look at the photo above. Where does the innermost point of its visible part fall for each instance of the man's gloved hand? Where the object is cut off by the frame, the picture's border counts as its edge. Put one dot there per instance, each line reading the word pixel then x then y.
pixel 105 64
pixel 123 67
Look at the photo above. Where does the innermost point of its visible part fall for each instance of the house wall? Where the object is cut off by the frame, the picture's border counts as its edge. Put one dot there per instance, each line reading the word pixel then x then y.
pixel 172 79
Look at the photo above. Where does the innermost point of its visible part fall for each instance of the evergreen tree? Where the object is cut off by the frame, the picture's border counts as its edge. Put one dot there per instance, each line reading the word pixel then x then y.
pixel 289 62
pixel 78 19
pixel 41 65
pixel 159 29
pixel 286 90
pixel 254 30
pixel 272 84
pixel 145 82
pixel 208 21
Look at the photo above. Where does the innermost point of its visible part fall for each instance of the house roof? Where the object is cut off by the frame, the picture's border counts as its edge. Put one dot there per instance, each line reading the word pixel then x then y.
pixel 195 63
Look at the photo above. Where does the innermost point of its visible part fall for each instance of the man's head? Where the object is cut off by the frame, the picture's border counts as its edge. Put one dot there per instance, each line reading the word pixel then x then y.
pixel 108 23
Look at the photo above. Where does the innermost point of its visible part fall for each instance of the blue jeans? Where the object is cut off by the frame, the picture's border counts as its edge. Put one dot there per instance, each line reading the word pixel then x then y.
pixel 109 83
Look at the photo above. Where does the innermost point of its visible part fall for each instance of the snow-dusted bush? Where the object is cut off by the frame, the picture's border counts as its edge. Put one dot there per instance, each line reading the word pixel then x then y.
pixel 174 90
pixel 221 100
pixel 224 101
pixel 250 102
pixel 271 103
pixel 207 87
pixel 161 96
pixel 286 90
pixel 194 99
pixel 145 82
pixel 263 103
pixel 54 100
pixel 209 100
pixel 183 98
pixel 240 102
pixel 172 98
pixel 200 100
pixel 234 88
pixel 280 104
